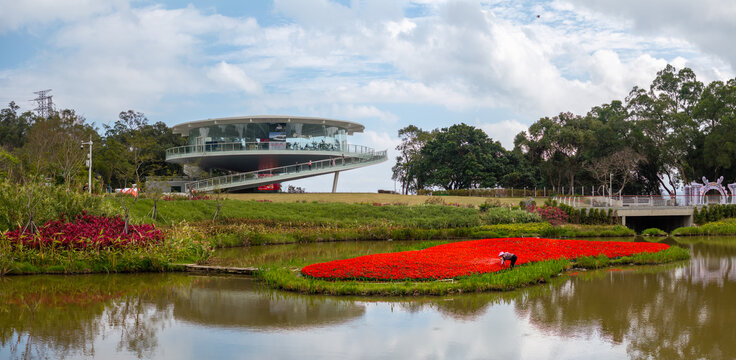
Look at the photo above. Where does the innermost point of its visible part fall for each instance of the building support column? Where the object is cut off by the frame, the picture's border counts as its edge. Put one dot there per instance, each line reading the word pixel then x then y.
pixel 334 182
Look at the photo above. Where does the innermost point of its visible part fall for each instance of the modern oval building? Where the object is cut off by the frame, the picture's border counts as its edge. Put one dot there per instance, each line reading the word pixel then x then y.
pixel 267 149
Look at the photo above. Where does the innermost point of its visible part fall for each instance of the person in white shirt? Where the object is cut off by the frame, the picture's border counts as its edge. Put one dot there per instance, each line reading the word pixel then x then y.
pixel 507 256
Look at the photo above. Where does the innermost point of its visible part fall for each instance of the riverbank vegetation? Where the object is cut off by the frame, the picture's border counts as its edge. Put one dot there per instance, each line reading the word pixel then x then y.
pixel 714 212
pixel 722 227
pixel 46 229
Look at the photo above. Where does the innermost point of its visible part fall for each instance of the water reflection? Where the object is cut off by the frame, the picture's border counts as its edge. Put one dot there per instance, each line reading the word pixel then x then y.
pixel 678 310
pixel 683 312
pixel 60 316
pixel 238 302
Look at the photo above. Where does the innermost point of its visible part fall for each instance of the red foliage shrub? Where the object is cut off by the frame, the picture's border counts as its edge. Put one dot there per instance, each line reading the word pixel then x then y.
pixel 88 231
pixel 468 258
pixel 551 214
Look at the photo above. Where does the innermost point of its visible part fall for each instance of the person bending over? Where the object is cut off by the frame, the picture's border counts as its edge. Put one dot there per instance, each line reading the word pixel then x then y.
pixel 507 256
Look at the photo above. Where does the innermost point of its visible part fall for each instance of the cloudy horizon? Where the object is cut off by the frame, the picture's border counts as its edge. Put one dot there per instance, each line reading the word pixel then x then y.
pixel 496 65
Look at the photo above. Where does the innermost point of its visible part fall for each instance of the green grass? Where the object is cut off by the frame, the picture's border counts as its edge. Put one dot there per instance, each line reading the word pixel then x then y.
pixel 653 232
pixel 523 275
pixel 674 253
pixel 722 227
pixel 530 274
pixel 573 231
pixel 422 216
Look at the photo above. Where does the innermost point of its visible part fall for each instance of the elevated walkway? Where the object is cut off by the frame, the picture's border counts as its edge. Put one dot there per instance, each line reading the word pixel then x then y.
pixel 638 212
pixel 252 179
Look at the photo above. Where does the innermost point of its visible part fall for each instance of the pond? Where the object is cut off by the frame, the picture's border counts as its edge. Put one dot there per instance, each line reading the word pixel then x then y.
pixel 675 311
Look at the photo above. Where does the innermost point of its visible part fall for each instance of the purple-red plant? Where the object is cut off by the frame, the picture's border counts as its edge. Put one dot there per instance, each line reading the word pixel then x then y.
pixel 551 214
pixel 85 231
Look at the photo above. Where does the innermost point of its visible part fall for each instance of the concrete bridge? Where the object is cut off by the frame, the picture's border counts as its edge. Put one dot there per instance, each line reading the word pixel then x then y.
pixel 640 212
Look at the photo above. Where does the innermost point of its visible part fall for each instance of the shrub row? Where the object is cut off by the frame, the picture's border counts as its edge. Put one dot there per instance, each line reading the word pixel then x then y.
pixel 712 213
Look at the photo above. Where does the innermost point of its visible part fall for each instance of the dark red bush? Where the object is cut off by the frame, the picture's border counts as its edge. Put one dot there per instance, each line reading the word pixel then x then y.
pixel 86 231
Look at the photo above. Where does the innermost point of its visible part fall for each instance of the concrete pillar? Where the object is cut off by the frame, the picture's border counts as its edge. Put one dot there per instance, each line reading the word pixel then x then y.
pixel 623 220
pixel 334 182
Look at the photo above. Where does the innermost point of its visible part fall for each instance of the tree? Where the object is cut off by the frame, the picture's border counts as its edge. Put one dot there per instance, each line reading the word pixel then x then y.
pixel 52 147
pixel 133 149
pixel 664 117
pixel 461 157
pixel 556 145
pixel 405 171
pixel 622 164
pixel 13 127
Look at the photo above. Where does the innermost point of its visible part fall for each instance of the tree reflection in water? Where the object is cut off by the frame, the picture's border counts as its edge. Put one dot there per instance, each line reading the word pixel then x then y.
pixel 63 316
pixel 672 311
pixel 66 316
pixel 684 313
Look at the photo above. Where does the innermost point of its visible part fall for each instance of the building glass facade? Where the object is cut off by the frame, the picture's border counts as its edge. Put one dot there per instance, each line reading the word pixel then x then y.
pixel 278 135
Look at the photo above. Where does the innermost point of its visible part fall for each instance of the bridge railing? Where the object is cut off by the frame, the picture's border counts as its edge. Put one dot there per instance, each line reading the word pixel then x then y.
pixel 335 163
pixel 219 147
pixel 643 200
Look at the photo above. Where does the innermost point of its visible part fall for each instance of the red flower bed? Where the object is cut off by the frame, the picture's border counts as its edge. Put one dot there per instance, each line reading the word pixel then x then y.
pixel 88 231
pixel 468 258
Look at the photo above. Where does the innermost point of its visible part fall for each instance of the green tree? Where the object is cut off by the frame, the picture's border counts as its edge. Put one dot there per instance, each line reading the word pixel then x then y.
pixel 406 169
pixel 557 145
pixel 14 127
pixel 462 157
pixel 664 116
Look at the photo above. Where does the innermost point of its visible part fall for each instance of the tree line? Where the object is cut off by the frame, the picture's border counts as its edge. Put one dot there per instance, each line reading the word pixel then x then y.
pixel 50 150
pixel 657 139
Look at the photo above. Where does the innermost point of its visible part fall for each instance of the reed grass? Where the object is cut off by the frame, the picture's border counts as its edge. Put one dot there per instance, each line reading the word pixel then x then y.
pixel 722 227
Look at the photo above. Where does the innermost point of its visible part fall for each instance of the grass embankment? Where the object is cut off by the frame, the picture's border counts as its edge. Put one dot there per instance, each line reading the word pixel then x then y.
pixel 524 275
pixel 257 223
pixel 722 227
pixel 370 198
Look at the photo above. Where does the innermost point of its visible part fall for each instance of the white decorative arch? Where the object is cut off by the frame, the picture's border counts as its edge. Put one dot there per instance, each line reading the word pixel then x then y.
pixel 713 186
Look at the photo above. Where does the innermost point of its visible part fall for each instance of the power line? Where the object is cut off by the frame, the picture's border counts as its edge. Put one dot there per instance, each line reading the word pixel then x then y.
pixel 44 104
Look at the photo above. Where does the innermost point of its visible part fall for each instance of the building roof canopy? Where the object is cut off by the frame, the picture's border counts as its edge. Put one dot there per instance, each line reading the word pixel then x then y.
pixel 349 126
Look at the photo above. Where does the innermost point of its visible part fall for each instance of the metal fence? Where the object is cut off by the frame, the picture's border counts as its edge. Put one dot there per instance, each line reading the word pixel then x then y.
pixel 644 200
pixel 265 146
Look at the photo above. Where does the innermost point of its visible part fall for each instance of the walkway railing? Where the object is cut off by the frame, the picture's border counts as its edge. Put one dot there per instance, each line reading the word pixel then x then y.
pixel 643 200
pixel 284 173
pixel 183 151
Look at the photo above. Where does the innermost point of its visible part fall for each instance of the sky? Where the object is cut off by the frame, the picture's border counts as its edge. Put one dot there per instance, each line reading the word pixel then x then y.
pixel 497 65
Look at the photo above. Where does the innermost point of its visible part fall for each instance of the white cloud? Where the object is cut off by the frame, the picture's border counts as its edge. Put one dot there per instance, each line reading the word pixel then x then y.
pixel 35 13
pixel 504 131
pixel 709 24
pixel 350 111
pixel 228 75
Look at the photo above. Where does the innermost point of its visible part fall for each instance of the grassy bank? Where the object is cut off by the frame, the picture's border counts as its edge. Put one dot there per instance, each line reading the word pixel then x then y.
pixel 370 198
pixel 524 275
pixel 427 216
pixel 247 223
pixel 722 227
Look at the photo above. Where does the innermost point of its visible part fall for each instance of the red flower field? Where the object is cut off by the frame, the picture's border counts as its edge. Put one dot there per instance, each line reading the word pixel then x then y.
pixel 468 258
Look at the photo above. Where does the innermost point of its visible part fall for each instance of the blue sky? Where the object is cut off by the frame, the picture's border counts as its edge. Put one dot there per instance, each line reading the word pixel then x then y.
pixel 497 65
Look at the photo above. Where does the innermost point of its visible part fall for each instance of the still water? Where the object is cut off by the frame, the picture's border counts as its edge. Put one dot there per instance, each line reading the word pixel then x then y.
pixel 675 311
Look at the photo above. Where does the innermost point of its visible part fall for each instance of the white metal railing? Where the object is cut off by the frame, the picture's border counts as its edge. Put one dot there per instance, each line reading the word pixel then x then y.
pixel 292 171
pixel 644 200
pixel 181 151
